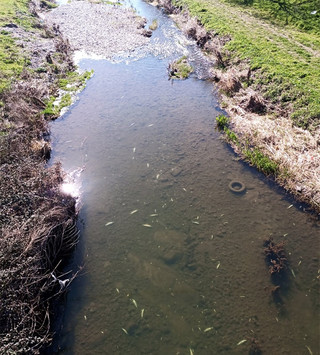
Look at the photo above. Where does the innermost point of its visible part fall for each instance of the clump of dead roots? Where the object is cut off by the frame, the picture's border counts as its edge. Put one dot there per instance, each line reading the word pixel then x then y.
pixel 37 221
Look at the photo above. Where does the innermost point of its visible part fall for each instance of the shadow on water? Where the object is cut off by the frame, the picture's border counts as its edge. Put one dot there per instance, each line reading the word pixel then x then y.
pixel 174 260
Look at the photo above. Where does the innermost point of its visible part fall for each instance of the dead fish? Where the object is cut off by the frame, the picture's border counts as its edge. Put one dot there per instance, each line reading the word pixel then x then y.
pixel 208 329
pixel 134 302
pixel 108 224
pixel 191 351
pixel 124 330
pixel 142 312
pixel 292 272
pixel 195 222
pixel 117 290
pixel 218 265
pixel 148 165
pixel 85 317
pixel 290 206
pixel 242 341
pixel 154 215
pixel 157 177
pixel 134 211
pixel 147 225
pixel 134 149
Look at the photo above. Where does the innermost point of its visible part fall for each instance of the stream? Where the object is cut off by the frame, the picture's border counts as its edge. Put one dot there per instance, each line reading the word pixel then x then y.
pixel 173 260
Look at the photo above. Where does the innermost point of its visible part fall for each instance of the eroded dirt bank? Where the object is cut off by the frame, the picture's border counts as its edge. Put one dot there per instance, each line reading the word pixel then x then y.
pixel 258 128
pixel 38 230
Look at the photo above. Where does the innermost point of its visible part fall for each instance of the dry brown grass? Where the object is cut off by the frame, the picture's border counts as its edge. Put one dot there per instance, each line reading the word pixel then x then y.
pixel 295 150
pixel 37 221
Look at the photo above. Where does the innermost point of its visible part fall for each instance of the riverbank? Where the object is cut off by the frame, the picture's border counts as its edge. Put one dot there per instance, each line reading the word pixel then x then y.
pixel 268 81
pixel 38 230
pixel 37 220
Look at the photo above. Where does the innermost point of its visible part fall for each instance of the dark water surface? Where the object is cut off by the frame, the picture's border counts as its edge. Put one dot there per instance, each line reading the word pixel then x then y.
pixel 181 268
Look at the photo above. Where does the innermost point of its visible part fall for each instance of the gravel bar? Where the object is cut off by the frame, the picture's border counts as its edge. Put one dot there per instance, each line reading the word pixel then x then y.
pixel 102 30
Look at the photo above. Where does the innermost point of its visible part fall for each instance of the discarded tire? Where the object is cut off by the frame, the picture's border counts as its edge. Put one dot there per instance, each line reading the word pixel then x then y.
pixel 237 187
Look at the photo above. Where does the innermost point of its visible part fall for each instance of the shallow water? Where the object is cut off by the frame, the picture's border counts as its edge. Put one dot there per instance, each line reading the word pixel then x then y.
pixel 181 269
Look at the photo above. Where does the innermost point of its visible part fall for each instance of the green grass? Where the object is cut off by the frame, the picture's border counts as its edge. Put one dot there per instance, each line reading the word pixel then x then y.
pixel 12 61
pixel 282 59
pixel 222 122
pixel 297 13
pixel 180 69
pixel 54 108
pixel 74 81
pixel 69 85
pixel 261 161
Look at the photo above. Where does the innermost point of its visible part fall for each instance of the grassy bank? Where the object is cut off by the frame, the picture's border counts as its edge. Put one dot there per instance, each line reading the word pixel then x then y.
pixel 37 220
pixel 12 62
pixel 267 73
pixel 284 61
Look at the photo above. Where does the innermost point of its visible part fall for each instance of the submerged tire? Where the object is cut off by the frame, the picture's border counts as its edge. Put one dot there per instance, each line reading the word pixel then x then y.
pixel 237 187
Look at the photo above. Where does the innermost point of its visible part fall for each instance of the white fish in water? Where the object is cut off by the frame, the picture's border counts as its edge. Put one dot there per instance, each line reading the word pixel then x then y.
pixel 134 149
pixel 134 211
pixel 148 165
pixel 108 224
pixel 191 351
pixel 208 329
pixel 195 222
pixel 154 215
pixel 218 265
pixel 134 302
pixel 242 341
pixel 142 312
pixel 124 330
pixel 117 290
pixel 157 177
pixel 147 225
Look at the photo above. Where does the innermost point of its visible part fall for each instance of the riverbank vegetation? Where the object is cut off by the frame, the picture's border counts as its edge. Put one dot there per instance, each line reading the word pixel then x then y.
pixel 37 220
pixel 179 69
pixel 267 72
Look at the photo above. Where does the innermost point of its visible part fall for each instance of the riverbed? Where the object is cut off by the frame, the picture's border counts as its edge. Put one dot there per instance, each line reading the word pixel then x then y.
pixel 173 259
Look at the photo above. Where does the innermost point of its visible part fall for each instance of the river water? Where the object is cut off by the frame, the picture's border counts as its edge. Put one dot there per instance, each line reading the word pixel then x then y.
pixel 174 260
